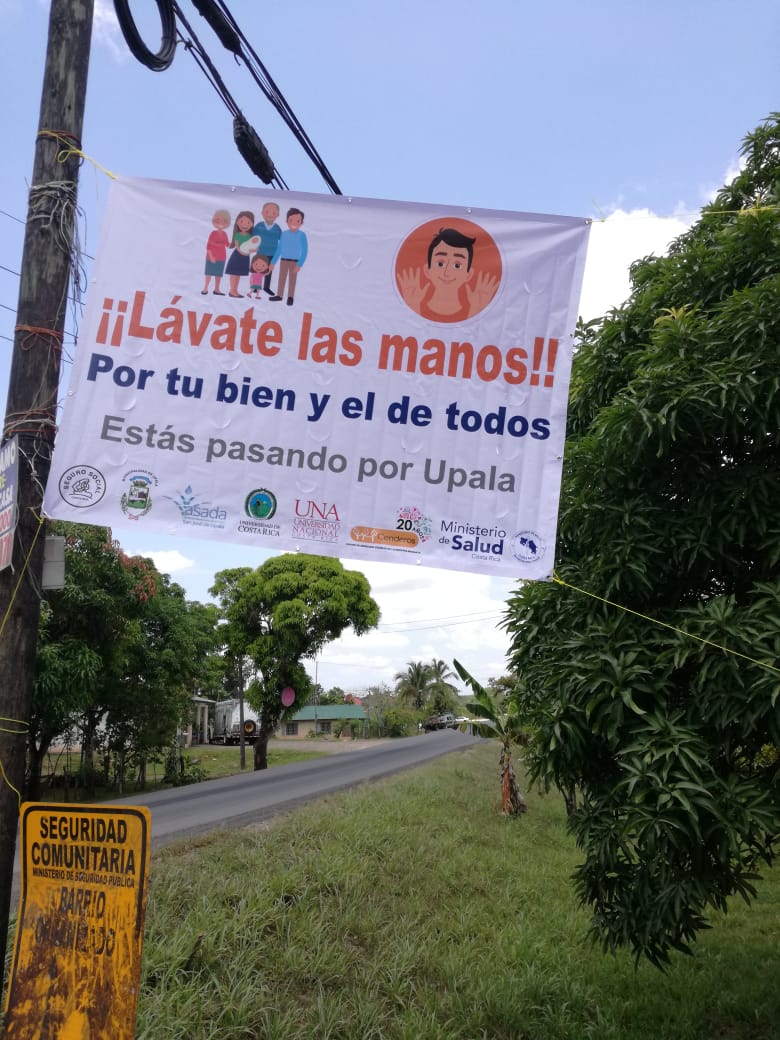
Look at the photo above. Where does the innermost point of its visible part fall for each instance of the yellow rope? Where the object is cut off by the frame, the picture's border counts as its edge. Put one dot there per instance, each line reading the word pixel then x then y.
pixel 24 726
pixel 9 784
pixel 17 722
pixel 41 522
pixel 663 624
pixel 68 150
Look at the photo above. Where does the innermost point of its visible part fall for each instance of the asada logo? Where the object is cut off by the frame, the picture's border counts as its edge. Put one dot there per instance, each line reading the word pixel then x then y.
pixel 316 521
pixel 136 501
pixel 82 486
pixel 528 547
pixel 260 504
pixel 260 507
pixel 195 513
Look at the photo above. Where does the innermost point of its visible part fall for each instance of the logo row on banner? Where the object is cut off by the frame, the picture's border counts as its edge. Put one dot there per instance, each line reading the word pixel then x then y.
pixel 349 377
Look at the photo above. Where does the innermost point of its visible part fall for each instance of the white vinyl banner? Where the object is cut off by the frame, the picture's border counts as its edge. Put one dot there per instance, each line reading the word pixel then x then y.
pixel 343 376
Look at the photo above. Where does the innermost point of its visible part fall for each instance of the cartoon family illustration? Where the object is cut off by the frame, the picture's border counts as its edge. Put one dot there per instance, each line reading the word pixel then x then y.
pixel 446 270
pixel 257 250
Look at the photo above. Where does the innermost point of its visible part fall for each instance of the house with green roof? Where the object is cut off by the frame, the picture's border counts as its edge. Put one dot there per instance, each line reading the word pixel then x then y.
pixel 323 719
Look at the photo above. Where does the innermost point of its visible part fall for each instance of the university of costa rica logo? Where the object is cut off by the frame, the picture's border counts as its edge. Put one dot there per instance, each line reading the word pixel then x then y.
pixel 260 504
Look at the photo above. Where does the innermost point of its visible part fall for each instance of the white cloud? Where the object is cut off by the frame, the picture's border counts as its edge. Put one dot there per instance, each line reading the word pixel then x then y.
pixel 615 243
pixel 106 31
pixel 169 561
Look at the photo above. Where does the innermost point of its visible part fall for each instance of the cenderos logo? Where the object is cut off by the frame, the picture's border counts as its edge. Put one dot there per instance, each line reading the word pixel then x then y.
pixel 260 504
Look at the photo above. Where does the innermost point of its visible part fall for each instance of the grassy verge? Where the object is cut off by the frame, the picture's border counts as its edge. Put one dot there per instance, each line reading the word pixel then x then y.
pixel 410 910
pixel 212 760
pixel 217 761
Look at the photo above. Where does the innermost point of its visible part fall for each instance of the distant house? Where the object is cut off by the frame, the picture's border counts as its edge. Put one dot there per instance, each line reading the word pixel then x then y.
pixel 196 729
pixel 323 719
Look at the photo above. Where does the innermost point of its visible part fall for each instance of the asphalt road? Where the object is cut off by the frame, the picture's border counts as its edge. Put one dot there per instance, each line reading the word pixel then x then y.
pixel 250 797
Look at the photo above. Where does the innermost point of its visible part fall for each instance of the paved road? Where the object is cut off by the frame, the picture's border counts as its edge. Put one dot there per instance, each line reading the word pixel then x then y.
pixel 248 797
pixel 235 801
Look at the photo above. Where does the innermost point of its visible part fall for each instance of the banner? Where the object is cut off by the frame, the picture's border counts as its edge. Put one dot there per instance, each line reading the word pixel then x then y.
pixel 343 376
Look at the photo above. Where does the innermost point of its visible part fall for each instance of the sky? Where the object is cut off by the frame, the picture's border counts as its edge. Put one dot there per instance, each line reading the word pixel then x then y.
pixel 631 114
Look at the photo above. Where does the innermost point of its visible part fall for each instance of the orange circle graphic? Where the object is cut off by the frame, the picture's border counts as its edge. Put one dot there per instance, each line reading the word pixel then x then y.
pixel 448 269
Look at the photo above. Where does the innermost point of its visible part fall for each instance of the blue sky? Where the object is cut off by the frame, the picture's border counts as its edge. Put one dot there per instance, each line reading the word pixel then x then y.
pixel 630 113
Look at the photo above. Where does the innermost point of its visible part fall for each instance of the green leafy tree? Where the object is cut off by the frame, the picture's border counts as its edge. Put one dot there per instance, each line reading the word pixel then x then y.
pixel 670 508
pixel 119 645
pixel 335 695
pixel 165 663
pixel 503 725
pixel 85 630
pixel 282 614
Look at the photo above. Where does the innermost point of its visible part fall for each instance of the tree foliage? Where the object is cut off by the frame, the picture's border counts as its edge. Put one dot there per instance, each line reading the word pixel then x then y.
pixel 119 647
pixel 282 614
pixel 670 508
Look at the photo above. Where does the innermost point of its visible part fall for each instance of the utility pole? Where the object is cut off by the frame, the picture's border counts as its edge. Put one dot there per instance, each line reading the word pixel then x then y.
pixel 32 393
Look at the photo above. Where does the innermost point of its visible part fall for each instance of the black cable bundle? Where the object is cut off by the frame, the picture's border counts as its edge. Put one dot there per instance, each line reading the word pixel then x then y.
pixel 252 149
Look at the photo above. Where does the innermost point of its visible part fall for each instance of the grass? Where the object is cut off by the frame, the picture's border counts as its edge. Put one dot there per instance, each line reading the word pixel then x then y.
pixel 213 760
pixel 216 760
pixel 411 910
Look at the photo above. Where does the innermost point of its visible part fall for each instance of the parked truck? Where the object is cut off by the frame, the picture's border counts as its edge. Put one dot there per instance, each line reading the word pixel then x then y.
pixel 444 721
pixel 227 723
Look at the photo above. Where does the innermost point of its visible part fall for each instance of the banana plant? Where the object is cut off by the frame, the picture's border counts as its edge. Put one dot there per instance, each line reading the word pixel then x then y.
pixel 495 722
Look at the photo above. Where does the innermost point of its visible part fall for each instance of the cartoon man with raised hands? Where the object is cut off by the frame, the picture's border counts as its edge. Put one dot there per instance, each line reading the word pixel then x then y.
pixel 434 291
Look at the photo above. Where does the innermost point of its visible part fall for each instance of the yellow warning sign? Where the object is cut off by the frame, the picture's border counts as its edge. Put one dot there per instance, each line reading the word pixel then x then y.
pixel 77 954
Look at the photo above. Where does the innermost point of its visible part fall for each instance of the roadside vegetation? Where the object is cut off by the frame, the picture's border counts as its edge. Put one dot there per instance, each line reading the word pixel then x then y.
pixel 185 766
pixel 412 909
pixel 661 718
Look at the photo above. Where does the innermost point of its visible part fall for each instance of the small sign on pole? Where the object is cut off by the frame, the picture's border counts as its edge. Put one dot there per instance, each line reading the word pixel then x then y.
pixel 9 468
pixel 77 954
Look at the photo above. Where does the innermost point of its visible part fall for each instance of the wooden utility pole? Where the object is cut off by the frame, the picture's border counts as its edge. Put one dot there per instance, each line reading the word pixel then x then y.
pixel 47 262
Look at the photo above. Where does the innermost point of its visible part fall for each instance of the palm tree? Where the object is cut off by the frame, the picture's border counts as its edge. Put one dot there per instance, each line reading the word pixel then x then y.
pixel 505 726
pixel 412 685
pixel 442 694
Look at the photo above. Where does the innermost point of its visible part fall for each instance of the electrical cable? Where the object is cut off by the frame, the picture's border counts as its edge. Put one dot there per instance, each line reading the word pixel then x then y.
pixel 248 142
pixel 217 13
pixel 163 58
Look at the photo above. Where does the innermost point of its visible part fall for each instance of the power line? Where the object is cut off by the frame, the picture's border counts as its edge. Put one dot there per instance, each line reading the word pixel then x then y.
pixel 430 628
pixel 12 217
pixel 480 615
pixel 211 9
pixel 232 37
